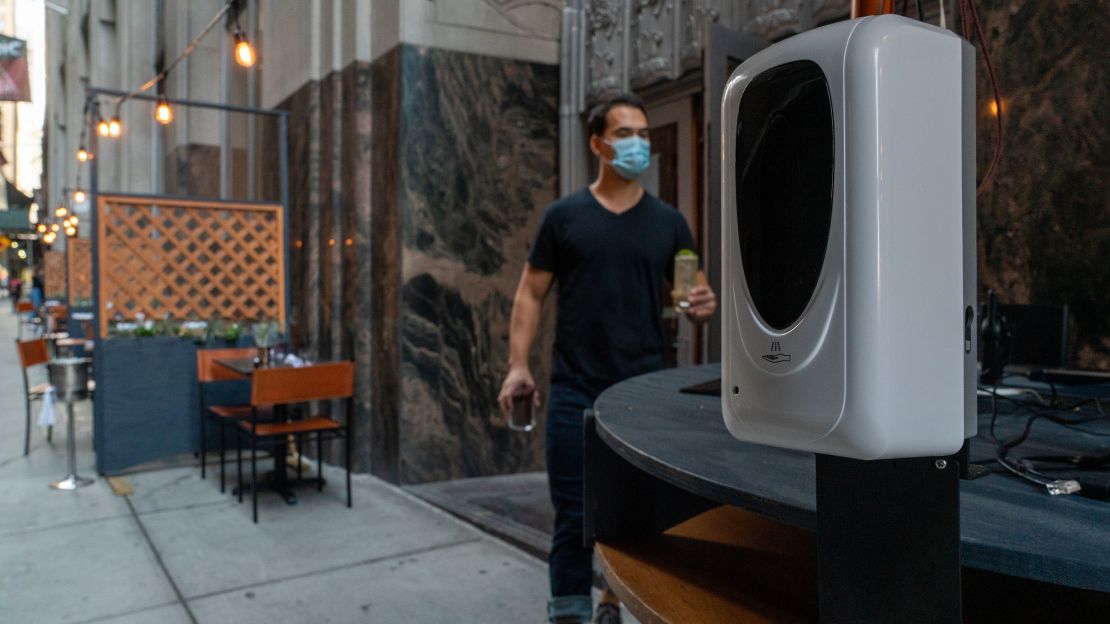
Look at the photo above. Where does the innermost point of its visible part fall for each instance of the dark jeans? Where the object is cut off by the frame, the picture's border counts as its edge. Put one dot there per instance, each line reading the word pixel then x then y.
pixel 570 562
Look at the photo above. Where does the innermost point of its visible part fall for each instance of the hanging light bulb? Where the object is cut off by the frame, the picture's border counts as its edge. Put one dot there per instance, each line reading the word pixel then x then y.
pixel 71 231
pixel 102 127
pixel 60 211
pixel 83 155
pixel 41 228
pixel 55 227
pixel 73 219
pixel 48 238
pixel 79 196
pixel 244 53
pixel 67 223
pixel 114 127
pixel 163 114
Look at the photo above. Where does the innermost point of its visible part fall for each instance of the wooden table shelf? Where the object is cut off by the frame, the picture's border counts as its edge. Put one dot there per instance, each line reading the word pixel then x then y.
pixel 724 565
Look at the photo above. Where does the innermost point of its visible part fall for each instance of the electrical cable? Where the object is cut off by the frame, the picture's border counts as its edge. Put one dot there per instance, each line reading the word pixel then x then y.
pixel 1098 486
pixel 189 49
pixel 967 8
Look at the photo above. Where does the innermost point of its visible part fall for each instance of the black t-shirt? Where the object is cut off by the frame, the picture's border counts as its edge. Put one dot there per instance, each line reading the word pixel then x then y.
pixel 609 269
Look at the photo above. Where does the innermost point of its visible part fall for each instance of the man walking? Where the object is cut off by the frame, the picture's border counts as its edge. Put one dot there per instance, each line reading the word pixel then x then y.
pixel 610 247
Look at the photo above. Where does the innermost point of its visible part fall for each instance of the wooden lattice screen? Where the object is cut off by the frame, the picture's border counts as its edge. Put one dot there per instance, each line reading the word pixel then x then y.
pixel 80 270
pixel 54 274
pixel 186 259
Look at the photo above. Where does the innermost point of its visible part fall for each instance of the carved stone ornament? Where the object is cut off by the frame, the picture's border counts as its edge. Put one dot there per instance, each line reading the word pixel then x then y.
pixel 774 19
pixel 605 44
pixel 653 41
pixel 637 43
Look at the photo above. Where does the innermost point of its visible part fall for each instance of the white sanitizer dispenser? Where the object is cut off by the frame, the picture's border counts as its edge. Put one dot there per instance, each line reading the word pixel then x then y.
pixel 849 244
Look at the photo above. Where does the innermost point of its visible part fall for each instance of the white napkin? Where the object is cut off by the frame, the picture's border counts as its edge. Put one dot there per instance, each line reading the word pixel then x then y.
pixel 292 360
pixel 46 414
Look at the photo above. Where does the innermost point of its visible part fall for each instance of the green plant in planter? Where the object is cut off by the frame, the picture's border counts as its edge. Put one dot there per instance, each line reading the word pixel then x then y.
pixel 233 332
pixel 266 333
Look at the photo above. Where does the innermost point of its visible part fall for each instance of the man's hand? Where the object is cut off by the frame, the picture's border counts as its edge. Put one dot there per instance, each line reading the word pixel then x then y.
pixel 517 383
pixel 703 303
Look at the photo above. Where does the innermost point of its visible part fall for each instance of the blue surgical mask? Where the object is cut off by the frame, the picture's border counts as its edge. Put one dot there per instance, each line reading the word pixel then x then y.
pixel 631 156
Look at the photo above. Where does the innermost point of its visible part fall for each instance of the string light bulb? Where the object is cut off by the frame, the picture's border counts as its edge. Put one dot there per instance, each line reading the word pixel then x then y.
pixel 83 155
pixel 48 238
pixel 55 227
pixel 71 231
pixel 73 219
pixel 163 114
pixel 244 53
pixel 60 211
pixel 79 196
pixel 102 127
pixel 114 127
pixel 41 228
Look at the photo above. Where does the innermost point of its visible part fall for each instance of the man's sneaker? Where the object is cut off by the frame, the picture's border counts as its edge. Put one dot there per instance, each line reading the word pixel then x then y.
pixel 607 613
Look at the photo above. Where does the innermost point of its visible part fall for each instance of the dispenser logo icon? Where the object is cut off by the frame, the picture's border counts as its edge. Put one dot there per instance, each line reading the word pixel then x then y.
pixel 776 356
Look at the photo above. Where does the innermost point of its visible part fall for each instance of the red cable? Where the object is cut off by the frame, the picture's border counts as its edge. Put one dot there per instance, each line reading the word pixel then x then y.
pixel 995 90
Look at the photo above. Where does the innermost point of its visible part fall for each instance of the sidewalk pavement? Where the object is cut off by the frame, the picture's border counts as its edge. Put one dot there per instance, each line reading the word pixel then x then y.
pixel 177 551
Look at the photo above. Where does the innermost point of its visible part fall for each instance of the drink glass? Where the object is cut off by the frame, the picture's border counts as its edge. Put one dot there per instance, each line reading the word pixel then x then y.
pixel 523 416
pixel 685 276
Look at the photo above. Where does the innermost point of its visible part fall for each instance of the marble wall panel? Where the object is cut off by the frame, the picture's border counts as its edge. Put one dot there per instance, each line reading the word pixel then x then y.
pixel 429 170
pixel 303 106
pixel 357 287
pixel 1044 221
pixel 478 152
pixel 191 171
pixel 329 222
pixel 385 266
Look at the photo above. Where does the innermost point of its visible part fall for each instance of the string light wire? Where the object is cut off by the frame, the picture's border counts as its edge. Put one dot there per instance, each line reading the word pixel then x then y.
pixel 160 76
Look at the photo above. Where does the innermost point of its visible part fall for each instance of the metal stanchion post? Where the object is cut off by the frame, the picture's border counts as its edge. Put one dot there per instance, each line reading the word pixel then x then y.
pixel 70 377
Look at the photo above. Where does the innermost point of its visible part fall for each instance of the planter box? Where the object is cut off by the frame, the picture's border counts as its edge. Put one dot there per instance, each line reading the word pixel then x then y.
pixel 147 405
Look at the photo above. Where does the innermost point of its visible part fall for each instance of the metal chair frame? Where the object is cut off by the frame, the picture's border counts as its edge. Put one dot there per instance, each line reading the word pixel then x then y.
pixel 207 372
pixel 31 353
pixel 334 381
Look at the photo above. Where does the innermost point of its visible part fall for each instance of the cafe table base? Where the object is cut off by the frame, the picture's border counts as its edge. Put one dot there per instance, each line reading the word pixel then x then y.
pixel 71 481
pixel 277 480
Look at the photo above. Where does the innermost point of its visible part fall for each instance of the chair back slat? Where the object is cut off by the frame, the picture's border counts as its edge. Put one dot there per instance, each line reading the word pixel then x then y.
pixel 208 370
pixel 32 352
pixel 317 382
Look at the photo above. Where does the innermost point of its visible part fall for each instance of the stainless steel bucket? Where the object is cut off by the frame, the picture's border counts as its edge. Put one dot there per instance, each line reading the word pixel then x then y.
pixel 70 378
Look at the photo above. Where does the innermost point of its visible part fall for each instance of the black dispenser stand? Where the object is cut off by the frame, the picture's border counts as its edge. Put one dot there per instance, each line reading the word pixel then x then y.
pixel 888 540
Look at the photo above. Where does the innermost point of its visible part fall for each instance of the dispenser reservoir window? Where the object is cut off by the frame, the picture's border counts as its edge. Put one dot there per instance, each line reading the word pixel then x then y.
pixel 784 187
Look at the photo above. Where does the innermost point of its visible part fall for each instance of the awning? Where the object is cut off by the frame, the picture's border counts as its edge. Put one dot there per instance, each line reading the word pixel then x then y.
pixel 16 220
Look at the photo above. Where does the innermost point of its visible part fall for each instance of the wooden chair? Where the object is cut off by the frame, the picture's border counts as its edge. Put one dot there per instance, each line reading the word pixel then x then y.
pixel 32 353
pixel 285 386
pixel 209 371
pixel 58 315
pixel 22 309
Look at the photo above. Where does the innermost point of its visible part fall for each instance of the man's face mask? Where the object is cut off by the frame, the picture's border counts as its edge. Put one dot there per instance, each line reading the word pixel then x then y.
pixel 631 156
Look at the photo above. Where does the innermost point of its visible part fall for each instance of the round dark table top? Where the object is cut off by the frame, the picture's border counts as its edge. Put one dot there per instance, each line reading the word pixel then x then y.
pixel 1007 525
